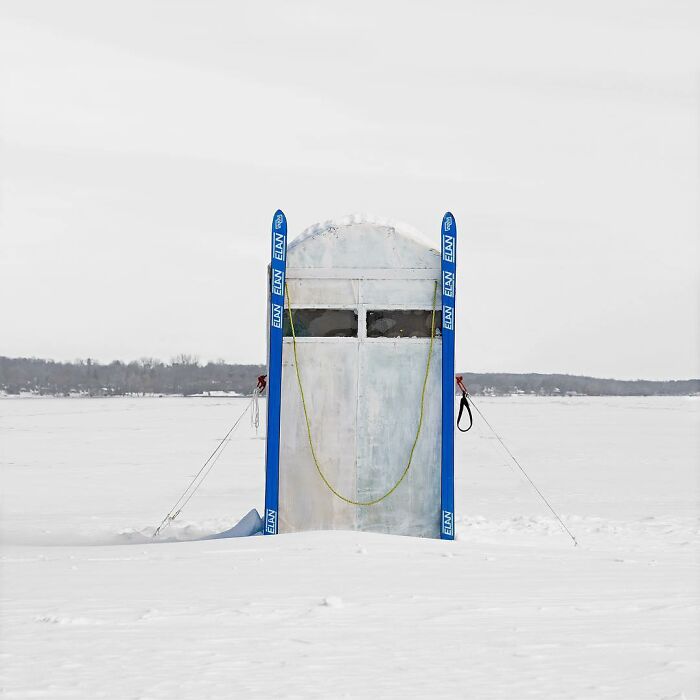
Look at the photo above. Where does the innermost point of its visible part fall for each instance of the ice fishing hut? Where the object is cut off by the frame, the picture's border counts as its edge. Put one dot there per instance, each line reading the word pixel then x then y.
pixel 360 379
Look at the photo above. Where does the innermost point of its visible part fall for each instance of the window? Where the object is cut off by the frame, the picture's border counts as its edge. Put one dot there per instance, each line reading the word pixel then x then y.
pixel 322 323
pixel 399 323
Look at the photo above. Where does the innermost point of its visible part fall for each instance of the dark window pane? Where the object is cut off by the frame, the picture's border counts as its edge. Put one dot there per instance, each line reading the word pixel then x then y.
pixel 322 323
pixel 398 323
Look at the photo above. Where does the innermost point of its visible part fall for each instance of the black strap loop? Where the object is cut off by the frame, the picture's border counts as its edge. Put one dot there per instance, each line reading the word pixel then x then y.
pixel 464 403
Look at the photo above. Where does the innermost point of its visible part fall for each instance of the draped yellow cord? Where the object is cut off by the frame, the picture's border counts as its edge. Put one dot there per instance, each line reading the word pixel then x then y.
pixel 308 423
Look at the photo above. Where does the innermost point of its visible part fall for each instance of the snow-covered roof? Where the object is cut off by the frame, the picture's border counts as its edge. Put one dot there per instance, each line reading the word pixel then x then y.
pixel 362 240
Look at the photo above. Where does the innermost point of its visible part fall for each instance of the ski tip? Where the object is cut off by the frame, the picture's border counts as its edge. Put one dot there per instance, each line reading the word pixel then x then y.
pixel 279 220
pixel 448 221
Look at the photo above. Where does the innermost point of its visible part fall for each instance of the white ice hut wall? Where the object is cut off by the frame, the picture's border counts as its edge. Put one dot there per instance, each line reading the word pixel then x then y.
pixel 362 295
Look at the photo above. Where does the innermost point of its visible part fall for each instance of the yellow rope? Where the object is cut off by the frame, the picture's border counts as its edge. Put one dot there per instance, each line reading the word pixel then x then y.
pixel 308 424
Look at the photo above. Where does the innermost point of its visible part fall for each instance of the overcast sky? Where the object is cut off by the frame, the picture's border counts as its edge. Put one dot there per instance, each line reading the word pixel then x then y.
pixel 146 145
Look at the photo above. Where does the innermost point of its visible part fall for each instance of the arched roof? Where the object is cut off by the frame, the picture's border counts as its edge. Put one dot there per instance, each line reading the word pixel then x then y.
pixel 361 241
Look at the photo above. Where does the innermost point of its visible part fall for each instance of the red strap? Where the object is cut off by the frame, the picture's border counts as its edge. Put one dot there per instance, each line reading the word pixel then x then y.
pixel 262 382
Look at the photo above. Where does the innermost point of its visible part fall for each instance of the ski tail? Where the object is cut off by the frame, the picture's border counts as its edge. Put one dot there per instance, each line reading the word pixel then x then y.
pixel 449 288
pixel 278 271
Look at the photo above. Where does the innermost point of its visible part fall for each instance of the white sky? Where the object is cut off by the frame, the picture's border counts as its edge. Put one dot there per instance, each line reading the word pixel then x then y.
pixel 146 145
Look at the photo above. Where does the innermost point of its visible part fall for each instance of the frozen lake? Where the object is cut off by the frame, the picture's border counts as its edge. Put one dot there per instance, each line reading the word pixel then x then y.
pixel 92 609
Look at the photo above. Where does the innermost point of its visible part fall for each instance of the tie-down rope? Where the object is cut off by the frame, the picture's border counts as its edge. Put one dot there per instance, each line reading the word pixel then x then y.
pixel 196 482
pixel 466 398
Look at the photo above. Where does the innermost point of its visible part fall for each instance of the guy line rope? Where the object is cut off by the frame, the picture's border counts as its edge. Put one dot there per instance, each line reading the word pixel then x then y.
pixel 466 395
pixel 196 481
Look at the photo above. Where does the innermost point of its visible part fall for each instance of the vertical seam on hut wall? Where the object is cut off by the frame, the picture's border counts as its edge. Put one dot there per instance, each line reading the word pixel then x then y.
pixel 361 400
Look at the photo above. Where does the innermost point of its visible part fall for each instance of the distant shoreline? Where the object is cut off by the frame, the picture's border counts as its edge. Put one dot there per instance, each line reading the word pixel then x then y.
pixel 502 383
pixel 80 397
pixel 186 376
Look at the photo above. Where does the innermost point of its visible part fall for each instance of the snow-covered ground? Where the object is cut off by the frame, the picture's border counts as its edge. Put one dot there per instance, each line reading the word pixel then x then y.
pixel 92 609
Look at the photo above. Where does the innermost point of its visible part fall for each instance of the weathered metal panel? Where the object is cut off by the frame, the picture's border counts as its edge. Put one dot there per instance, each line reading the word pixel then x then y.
pixel 406 294
pixel 329 376
pixel 365 273
pixel 391 374
pixel 329 292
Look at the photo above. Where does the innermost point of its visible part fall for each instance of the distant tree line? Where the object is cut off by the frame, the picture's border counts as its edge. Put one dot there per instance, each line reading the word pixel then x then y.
pixel 497 384
pixel 185 375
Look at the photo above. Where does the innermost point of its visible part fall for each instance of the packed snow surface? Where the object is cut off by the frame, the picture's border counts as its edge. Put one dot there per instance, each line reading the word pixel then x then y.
pixel 93 608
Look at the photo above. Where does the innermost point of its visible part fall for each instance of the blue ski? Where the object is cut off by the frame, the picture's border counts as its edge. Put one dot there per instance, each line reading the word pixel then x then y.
pixel 278 265
pixel 449 287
